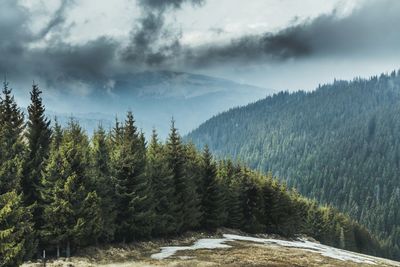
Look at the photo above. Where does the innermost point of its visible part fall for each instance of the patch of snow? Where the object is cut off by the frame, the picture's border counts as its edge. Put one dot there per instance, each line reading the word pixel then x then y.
pixel 206 243
pixel 167 252
pixel 327 251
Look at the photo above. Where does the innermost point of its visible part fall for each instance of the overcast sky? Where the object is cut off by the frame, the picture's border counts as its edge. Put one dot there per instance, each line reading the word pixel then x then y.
pixel 279 44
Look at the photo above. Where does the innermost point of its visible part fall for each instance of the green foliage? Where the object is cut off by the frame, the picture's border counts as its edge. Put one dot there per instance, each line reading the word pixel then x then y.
pixel 187 212
pixel 101 175
pixel 72 211
pixel 38 135
pixel 212 198
pixel 135 212
pixel 11 145
pixel 116 188
pixel 16 230
pixel 338 144
pixel 162 181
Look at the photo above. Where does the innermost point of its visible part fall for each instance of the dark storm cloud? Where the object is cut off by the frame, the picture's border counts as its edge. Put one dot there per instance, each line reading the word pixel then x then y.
pixel 55 62
pixel 91 61
pixel 371 29
pixel 153 42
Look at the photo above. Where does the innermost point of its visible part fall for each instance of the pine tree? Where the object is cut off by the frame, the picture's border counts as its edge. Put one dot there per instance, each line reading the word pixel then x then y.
pixel 175 159
pixel 16 230
pixel 116 134
pixel 38 136
pixel 193 179
pixel 73 215
pixel 253 212
pixel 161 178
pixel 90 222
pixel 234 198
pixel 185 198
pixel 51 188
pixel 11 145
pixel 16 233
pixel 212 202
pixel 134 209
pixel 103 182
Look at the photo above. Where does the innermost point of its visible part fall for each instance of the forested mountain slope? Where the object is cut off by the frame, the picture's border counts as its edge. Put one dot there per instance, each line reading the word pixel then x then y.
pixel 339 144
pixel 61 191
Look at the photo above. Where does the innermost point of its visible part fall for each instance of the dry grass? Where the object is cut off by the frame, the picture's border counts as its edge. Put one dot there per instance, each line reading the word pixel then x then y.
pixel 240 254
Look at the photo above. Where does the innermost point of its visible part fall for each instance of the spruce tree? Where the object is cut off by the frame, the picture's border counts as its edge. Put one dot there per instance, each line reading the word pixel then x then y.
pixel 116 134
pixel 253 206
pixel 193 180
pixel 38 135
pixel 212 198
pixel 185 193
pixel 16 233
pixel 103 182
pixel 72 217
pixel 11 145
pixel 51 188
pixel 161 178
pixel 16 230
pixel 235 196
pixel 135 213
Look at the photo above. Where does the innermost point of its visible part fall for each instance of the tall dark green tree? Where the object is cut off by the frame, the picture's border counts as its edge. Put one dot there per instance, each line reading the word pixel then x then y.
pixel 104 184
pixel 185 198
pixel 212 198
pixel 73 216
pixel 135 213
pixel 193 180
pixel 161 178
pixel 16 229
pixel 253 203
pixel 51 188
pixel 176 161
pixel 229 177
pixel 38 134
pixel 11 145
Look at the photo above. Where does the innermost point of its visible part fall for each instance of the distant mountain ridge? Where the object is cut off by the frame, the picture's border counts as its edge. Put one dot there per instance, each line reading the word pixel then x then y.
pixel 156 97
pixel 339 144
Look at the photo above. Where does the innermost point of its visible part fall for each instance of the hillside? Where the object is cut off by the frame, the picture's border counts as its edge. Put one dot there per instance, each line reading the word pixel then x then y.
pixel 61 191
pixel 339 144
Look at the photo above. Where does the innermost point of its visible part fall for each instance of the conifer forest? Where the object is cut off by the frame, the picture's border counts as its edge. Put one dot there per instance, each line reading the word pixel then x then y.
pixel 61 190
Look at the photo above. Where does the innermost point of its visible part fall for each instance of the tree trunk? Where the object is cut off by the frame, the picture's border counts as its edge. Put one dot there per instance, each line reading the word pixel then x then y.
pixel 58 251
pixel 68 250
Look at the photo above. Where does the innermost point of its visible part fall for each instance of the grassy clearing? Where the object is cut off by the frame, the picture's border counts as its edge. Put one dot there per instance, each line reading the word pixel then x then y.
pixel 241 253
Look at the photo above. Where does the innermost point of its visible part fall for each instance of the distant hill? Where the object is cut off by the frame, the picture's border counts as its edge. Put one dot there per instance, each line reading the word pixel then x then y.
pixel 339 144
pixel 153 97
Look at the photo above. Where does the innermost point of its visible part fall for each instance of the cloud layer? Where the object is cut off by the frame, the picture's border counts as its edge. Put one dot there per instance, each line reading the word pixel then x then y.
pixel 151 42
pixel 371 29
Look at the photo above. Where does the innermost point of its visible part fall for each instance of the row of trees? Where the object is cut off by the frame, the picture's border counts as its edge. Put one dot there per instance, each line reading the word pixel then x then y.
pixel 61 190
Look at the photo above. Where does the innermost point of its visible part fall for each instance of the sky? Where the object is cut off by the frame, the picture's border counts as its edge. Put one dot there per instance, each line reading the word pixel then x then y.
pixel 277 44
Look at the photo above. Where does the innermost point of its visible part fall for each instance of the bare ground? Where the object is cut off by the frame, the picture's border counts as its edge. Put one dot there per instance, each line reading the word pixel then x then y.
pixel 240 254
